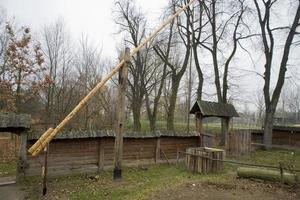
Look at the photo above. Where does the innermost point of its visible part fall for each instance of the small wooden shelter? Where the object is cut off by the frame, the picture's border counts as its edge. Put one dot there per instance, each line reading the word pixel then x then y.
pixel 18 124
pixel 203 109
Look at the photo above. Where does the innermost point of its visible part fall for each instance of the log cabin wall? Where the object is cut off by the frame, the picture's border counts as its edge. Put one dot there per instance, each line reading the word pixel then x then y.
pixel 289 136
pixel 85 155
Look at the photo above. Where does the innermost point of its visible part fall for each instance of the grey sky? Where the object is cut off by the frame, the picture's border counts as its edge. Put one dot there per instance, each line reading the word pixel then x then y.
pixel 92 17
pixel 95 18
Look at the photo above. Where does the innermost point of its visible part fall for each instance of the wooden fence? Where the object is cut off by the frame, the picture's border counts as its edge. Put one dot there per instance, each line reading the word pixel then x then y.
pixel 204 160
pixel 239 142
pixel 83 155
pixel 9 148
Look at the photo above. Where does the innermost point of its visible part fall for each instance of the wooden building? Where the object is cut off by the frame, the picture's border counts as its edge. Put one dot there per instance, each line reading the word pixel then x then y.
pixel 282 135
pixel 92 151
pixel 203 109
pixel 18 124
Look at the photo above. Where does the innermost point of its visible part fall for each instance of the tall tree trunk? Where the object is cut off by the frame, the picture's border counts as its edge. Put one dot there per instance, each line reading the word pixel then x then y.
pixel 268 126
pixel 172 103
pixel 200 74
pixel 136 110
pixel 152 121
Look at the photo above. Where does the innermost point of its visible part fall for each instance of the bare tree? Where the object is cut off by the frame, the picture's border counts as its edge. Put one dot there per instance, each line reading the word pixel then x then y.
pixel 3 44
pixel 133 24
pixel 57 51
pixel 260 107
pixel 222 23
pixel 88 64
pixel 153 86
pixel 176 64
pixel 197 23
pixel 293 102
pixel 264 11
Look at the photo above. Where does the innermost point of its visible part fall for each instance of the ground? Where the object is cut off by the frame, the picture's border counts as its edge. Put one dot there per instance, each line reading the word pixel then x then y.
pixel 12 192
pixel 8 168
pixel 232 189
pixel 166 182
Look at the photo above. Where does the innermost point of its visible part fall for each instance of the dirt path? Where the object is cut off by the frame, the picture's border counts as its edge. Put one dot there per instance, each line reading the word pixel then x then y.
pixel 12 192
pixel 246 190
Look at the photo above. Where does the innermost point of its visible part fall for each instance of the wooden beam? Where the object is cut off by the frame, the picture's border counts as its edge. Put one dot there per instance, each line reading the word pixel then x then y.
pixel 121 108
pixel 45 170
pixel 199 122
pixel 22 161
pixel 227 122
pixel 48 136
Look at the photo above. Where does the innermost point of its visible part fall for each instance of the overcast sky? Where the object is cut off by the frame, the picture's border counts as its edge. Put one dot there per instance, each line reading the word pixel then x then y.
pixel 92 17
pixel 95 18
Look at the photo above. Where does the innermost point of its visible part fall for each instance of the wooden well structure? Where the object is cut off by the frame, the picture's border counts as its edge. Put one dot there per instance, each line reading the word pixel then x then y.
pixel 203 109
pixel 203 159
pixel 18 124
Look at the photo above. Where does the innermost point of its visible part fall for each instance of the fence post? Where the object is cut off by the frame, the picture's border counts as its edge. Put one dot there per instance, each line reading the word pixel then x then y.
pixel 100 155
pixel 157 150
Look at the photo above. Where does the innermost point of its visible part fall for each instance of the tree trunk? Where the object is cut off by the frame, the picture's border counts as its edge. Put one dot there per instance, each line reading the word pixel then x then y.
pixel 200 74
pixel 152 123
pixel 136 110
pixel 172 105
pixel 268 126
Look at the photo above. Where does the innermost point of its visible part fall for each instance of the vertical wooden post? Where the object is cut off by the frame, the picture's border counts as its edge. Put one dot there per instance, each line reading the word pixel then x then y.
pixel 45 170
pixel 22 161
pixel 198 116
pixel 157 150
pixel 123 74
pixel 227 122
pixel 100 155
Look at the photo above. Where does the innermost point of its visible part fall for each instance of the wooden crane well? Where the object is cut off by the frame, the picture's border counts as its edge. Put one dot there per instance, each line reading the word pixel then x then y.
pixel 46 138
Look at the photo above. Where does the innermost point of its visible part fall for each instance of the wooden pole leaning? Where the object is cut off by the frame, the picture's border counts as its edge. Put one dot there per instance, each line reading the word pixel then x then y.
pixel 48 136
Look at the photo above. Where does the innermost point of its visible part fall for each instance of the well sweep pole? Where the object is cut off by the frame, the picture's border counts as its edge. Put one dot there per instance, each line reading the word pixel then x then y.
pixel 48 136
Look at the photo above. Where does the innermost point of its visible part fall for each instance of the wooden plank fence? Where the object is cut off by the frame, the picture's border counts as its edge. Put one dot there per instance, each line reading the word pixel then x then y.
pixel 239 142
pixel 9 148
pixel 204 160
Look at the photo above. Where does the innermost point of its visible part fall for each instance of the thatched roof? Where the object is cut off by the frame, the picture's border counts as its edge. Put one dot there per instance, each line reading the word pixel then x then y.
pixel 214 109
pixel 13 121
pixel 109 133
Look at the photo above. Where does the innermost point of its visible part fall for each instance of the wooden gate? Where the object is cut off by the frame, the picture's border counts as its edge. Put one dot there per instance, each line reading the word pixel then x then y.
pixel 239 142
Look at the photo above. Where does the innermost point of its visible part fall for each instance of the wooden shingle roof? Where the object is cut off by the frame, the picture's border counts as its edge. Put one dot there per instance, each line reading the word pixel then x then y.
pixel 214 109
pixel 13 121
pixel 73 134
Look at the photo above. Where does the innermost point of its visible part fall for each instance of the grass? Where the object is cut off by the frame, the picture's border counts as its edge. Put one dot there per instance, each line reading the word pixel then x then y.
pixel 8 168
pixel 214 127
pixel 272 157
pixel 137 184
pixel 142 183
